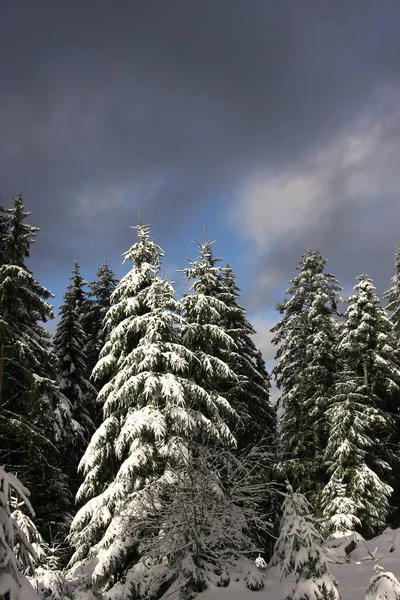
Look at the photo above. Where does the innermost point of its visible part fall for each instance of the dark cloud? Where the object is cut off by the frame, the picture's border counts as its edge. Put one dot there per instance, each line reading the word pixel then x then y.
pixel 105 105
pixel 353 241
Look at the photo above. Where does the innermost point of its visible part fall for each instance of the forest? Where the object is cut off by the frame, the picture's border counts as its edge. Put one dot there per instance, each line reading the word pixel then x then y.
pixel 141 455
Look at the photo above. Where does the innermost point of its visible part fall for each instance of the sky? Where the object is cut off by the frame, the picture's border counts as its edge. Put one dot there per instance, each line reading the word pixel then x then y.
pixel 275 124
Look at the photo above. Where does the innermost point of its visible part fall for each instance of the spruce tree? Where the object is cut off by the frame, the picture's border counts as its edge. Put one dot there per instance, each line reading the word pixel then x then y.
pixel 156 413
pixel 306 339
pixel 358 453
pixel 207 315
pixel 250 393
pixel 299 552
pixel 392 296
pixel 94 311
pixel 69 344
pixel 29 398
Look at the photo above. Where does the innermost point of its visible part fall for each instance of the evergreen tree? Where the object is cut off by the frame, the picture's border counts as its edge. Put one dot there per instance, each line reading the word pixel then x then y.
pixel 250 393
pixel 306 338
pixel 218 327
pixel 392 296
pixel 207 314
pixel 29 398
pixel 94 311
pixel 383 585
pixel 69 344
pixel 155 412
pixel 300 555
pixel 357 453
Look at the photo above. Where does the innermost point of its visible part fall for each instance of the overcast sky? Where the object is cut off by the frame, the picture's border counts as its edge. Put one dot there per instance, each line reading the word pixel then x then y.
pixel 274 123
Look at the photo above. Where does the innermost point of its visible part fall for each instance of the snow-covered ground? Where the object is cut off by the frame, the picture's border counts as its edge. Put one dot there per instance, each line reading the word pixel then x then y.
pixel 353 576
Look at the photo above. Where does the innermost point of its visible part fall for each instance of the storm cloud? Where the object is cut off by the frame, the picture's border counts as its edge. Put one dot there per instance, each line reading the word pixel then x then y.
pixel 170 104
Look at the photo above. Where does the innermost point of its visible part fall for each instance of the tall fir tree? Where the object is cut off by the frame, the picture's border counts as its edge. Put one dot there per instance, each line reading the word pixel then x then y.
pixel 156 412
pixel 29 398
pixel 250 394
pixel 306 338
pixel 207 314
pixel 217 326
pixel 392 297
pixel 94 310
pixel 359 452
pixel 69 345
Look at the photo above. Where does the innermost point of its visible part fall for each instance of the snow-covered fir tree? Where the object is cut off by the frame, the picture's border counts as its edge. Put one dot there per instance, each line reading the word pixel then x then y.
pixel 29 397
pixel 206 311
pixel 300 555
pixel 155 412
pixel 354 489
pixel 94 310
pixel 217 326
pixel 358 452
pixel 69 345
pixel 306 338
pixel 392 296
pixel 249 394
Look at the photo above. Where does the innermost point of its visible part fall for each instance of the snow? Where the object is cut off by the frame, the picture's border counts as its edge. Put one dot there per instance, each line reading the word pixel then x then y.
pixel 353 577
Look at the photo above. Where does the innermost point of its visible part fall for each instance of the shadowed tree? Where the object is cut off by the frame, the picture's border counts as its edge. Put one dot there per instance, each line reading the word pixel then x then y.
pixel 306 338
pixel 29 398
pixel 359 453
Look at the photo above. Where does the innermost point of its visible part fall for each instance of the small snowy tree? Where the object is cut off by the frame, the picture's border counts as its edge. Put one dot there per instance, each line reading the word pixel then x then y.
pixel 383 585
pixel 32 535
pixel 13 585
pixel 154 408
pixel 306 338
pixel 300 555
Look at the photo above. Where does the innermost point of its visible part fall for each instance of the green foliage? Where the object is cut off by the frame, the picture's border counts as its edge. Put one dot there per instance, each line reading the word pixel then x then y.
pixel 29 398
pixel 306 339
pixel 154 408
pixel 69 346
pixel 94 311
pixel 359 452
pixel 299 553
pixel 249 393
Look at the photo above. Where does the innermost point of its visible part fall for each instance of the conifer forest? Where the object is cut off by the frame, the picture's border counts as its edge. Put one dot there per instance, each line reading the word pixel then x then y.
pixel 141 454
